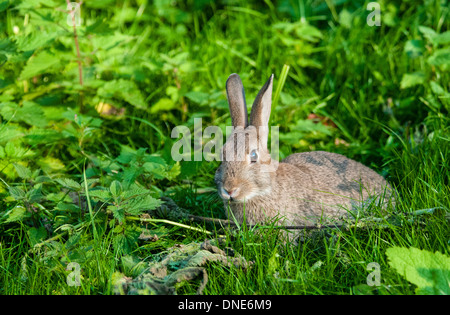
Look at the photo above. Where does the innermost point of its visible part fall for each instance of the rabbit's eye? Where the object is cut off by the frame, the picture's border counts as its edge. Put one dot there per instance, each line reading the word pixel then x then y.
pixel 253 156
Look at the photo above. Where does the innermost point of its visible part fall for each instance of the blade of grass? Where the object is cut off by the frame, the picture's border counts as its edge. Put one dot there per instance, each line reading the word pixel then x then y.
pixel 91 214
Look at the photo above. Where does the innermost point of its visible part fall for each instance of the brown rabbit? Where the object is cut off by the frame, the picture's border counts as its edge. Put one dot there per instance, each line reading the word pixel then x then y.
pixel 304 188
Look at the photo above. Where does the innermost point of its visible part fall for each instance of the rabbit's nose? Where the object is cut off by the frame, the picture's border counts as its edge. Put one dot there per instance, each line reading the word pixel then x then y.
pixel 232 192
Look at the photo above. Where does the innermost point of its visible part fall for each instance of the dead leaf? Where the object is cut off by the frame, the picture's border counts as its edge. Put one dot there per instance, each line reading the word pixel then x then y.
pixel 178 264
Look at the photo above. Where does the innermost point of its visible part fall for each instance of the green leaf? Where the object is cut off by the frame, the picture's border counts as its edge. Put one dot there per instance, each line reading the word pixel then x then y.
pixel 412 79
pixel 8 133
pixel 50 164
pixel 37 235
pixel 4 5
pixel 30 112
pixel 440 57
pixel 101 194
pixel 163 104
pixel 345 18
pixel 414 48
pixel 35 40
pixel 124 90
pixel 437 89
pixel 16 214
pixel 116 188
pixel 198 97
pixel 134 191
pixel 47 136
pixel 22 171
pixel 63 206
pixel 308 32
pixel 69 183
pixel 130 173
pixel 17 193
pixel 137 205
pixel 430 272
pixel 174 171
pixel 41 63
pixel 156 169
pixel 428 32
pixel 443 38
pixel 35 194
pixel 118 213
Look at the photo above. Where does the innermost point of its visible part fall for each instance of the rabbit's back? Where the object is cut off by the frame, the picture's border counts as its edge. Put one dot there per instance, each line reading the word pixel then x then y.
pixel 338 175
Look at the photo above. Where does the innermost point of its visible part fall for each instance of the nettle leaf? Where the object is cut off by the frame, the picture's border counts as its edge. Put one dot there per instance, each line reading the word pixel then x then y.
pixel 4 5
pixel 130 173
pixel 125 157
pixel 437 89
pixel 427 32
pixel 414 48
pixel 156 169
pixel 30 112
pixel 17 193
pixel 200 98
pixel 174 171
pixel 115 188
pixel 36 235
pixel 9 132
pixel 102 194
pixel 22 171
pixel 308 32
pixel 47 136
pixel 64 206
pixel 118 213
pixel 14 150
pixel 124 90
pixel 69 183
pixel 134 191
pixel 443 38
pixel 138 205
pixel 41 63
pixel 430 272
pixel 36 40
pixel 412 79
pixel 35 194
pixel 440 57
pixel 163 104
pixel 16 214
pixel 50 164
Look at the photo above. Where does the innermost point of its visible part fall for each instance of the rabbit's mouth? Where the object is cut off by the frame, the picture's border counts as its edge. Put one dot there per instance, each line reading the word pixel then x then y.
pixel 229 193
pixel 236 195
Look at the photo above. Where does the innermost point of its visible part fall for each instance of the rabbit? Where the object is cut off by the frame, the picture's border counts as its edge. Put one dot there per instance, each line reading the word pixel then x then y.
pixel 303 189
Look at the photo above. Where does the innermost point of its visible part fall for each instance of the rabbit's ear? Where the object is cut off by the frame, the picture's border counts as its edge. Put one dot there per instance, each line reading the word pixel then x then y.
pixel 259 116
pixel 236 101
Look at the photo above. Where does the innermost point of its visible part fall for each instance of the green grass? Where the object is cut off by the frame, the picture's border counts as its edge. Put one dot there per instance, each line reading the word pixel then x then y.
pixel 179 55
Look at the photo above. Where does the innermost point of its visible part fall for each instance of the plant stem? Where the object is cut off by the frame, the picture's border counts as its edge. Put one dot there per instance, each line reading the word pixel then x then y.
pixel 77 46
pixel 169 222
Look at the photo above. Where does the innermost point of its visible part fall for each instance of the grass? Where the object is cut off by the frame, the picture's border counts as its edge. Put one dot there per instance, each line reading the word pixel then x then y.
pixel 346 73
